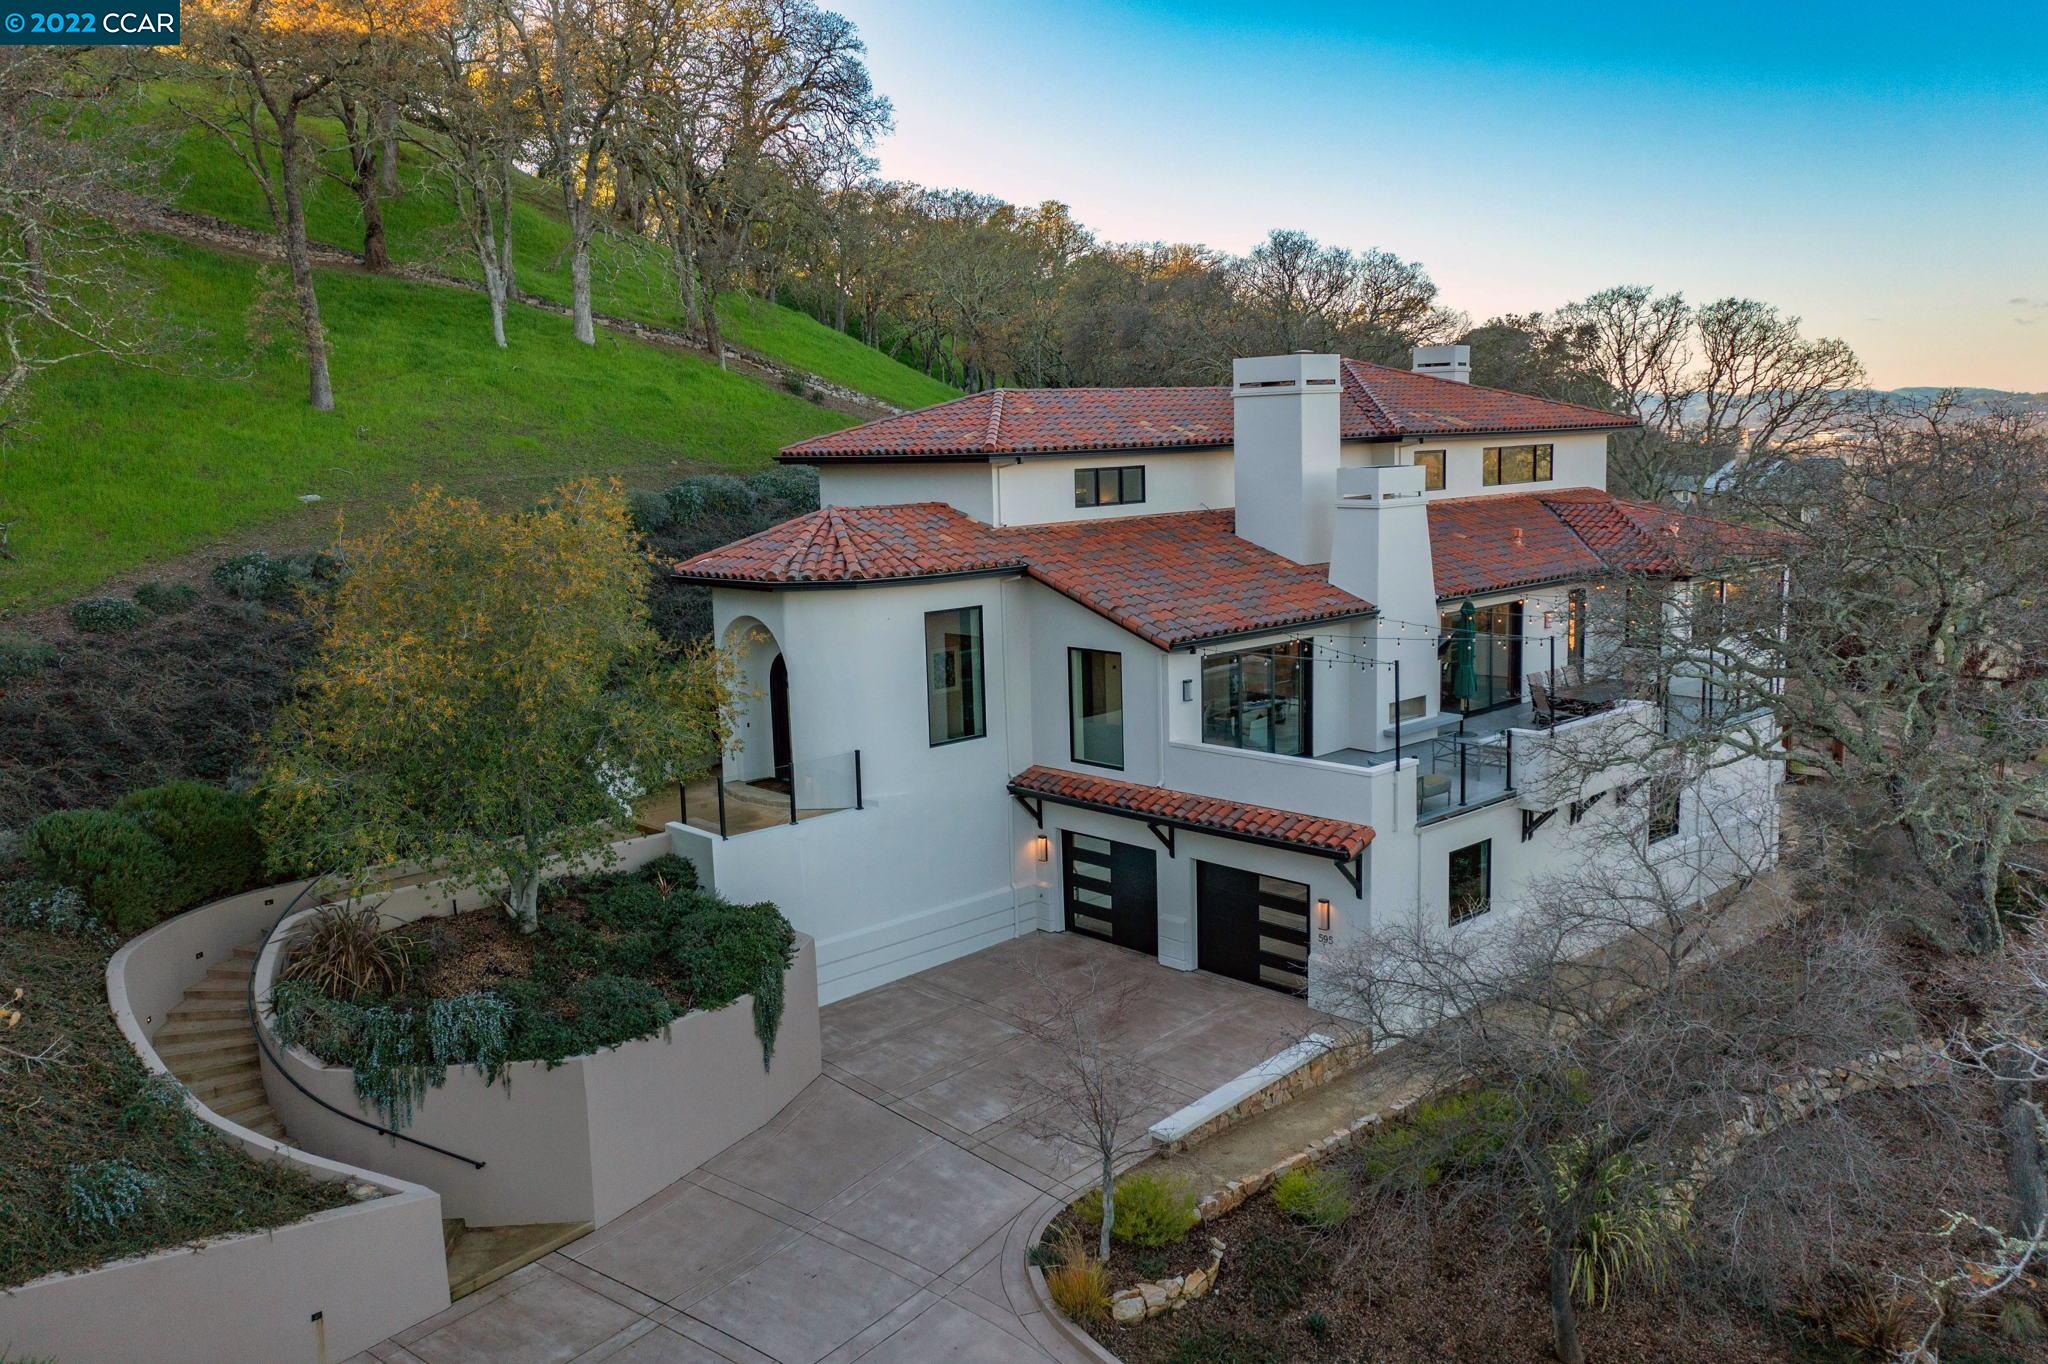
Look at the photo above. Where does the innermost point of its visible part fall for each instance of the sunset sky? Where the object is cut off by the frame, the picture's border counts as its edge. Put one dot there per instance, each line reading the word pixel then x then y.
pixel 1880 170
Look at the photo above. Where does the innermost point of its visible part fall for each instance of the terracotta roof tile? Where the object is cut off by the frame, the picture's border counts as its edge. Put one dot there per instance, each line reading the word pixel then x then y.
pixel 1171 580
pixel 1379 403
pixel 1184 809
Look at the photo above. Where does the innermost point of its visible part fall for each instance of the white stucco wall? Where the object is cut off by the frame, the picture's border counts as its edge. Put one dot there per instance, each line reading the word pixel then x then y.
pixel 1578 460
pixel 966 485
pixel 1040 489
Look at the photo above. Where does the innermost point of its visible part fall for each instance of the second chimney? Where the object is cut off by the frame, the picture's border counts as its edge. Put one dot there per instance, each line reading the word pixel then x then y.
pixel 1445 362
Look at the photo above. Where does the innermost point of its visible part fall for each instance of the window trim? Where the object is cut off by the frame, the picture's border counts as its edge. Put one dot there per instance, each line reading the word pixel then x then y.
pixel 1074 715
pixel 1123 474
pixel 1542 464
pixel 1437 470
pixel 981 650
pixel 1485 897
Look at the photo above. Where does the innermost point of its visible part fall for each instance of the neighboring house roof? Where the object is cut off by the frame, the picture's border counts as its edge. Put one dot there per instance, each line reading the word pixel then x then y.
pixel 1509 540
pixel 1379 403
pixel 1333 838
pixel 1172 580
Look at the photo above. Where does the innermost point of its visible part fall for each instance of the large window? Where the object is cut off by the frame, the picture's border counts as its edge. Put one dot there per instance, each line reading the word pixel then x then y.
pixel 954 689
pixel 1258 699
pixel 1495 678
pixel 1433 461
pixel 1517 464
pixel 1471 881
pixel 1095 698
pixel 1109 487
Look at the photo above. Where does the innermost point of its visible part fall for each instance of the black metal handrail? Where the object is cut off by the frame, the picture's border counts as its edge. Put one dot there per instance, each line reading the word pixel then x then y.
pixel 256 1026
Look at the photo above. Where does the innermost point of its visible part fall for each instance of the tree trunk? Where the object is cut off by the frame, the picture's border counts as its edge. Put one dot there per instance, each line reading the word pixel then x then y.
pixel 522 901
pixel 1108 1202
pixel 36 271
pixel 387 169
pixel 320 385
pixel 1564 1317
pixel 2020 1119
pixel 579 283
pixel 494 288
pixel 505 265
pixel 375 256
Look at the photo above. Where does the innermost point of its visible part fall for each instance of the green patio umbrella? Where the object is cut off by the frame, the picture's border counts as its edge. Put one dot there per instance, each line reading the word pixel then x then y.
pixel 1464 673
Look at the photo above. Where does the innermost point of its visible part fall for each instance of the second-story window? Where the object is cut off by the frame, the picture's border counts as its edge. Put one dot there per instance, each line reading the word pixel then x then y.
pixel 954 690
pixel 1095 691
pixel 1109 487
pixel 1432 461
pixel 1258 699
pixel 1471 881
pixel 1517 464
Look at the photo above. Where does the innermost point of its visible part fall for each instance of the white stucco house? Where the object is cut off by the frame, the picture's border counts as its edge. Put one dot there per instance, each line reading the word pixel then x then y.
pixel 1179 668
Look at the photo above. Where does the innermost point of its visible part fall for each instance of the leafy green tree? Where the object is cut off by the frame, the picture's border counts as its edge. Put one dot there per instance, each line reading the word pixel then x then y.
pixel 490 699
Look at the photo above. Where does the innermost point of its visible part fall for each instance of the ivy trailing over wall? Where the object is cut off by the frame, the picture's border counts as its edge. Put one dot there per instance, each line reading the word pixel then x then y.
pixel 615 958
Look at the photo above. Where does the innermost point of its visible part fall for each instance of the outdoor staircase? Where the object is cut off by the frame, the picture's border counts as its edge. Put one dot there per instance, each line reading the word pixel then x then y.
pixel 208 1044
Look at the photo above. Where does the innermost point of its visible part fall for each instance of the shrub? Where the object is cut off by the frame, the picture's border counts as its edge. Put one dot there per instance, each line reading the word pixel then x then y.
pixel 209 832
pixel 343 951
pixel 396 1052
pixel 790 487
pixel 106 1195
pixel 44 905
pixel 120 868
pixel 260 576
pixel 1632 1230
pixel 1150 1211
pixel 1077 1281
pixel 651 512
pixel 710 495
pixel 24 657
pixel 1450 1135
pixel 166 599
pixel 1314 1196
pixel 106 615
pixel 669 873
pixel 723 951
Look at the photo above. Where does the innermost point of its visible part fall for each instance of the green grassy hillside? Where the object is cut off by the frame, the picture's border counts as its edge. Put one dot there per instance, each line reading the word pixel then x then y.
pixel 116 467
pixel 628 281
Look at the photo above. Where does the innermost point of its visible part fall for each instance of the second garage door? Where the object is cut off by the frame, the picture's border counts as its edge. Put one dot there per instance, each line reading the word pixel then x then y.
pixel 1251 927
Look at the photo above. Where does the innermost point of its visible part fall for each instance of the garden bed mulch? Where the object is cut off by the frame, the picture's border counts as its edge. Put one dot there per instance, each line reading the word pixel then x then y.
pixel 102 1161
pixel 1435 1283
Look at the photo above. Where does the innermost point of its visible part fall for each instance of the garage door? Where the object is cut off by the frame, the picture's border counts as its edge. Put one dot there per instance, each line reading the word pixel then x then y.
pixel 1252 928
pixel 1112 892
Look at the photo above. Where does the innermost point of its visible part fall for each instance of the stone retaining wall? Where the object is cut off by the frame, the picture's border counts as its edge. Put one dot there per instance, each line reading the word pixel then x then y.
pixel 1326 1064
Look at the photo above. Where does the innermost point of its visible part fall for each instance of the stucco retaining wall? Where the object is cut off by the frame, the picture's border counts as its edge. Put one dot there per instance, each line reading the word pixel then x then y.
pixel 579 1142
pixel 317 1290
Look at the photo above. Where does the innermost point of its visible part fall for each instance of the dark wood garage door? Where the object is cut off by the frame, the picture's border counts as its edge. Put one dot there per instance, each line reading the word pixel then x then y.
pixel 1252 928
pixel 1112 892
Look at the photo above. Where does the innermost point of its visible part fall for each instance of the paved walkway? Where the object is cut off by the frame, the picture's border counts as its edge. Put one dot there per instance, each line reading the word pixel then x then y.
pixel 870 1220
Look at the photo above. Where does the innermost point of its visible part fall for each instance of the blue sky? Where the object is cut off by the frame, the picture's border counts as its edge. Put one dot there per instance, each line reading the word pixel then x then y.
pixel 1880 170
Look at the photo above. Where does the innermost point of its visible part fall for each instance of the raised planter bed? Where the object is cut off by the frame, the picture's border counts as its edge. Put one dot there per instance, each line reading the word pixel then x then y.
pixel 581 1141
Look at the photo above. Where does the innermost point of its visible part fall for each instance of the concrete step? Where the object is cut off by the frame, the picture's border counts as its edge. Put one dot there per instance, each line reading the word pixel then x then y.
pixel 228 1087
pixel 247 1111
pixel 207 1055
pixel 198 1029
pixel 209 988
pixel 234 968
pixel 198 1010
pixel 268 1126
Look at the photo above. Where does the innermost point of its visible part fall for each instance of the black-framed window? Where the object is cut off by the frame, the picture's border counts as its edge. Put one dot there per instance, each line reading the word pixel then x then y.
pixel 1095 706
pixel 1663 812
pixel 955 686
pixel 1471 881
pixel 1433 461
pixel 1642 617
pixel 1517 464
pixel 1116 487
pixel 1258 699
pixel 1575 626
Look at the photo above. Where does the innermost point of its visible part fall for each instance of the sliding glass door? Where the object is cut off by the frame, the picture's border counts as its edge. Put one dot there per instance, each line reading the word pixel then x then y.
pixel 1258 699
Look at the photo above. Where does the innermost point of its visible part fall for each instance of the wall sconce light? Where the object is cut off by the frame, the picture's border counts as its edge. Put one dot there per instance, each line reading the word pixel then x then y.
pixel 1549 620
pixel 1187 689
pixel 1323 915
pixel 1041 848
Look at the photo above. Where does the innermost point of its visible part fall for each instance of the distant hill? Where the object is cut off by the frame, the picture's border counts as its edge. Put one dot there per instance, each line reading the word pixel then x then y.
pixel 1980 398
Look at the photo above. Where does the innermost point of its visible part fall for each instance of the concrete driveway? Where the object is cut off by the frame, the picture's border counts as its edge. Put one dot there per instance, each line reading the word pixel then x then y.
pixel 868 1221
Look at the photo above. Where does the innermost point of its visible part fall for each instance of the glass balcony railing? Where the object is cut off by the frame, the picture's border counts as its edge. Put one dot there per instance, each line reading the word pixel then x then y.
pixel 786 794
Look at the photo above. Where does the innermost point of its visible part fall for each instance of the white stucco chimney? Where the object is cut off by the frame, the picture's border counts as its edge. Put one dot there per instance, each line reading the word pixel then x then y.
pixel 1380 551
pixel 1445 362
pixel 1285 462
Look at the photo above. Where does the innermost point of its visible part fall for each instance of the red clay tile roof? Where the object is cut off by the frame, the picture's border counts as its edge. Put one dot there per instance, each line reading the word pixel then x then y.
pixel 1508 540
pixel 1172 579
pixel 1181 577
pixel 1203 814
pixel 1379 403
pixel 859 544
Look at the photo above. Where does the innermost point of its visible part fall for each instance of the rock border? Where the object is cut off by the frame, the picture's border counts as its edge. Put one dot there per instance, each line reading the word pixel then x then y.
pixel 1145 1299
